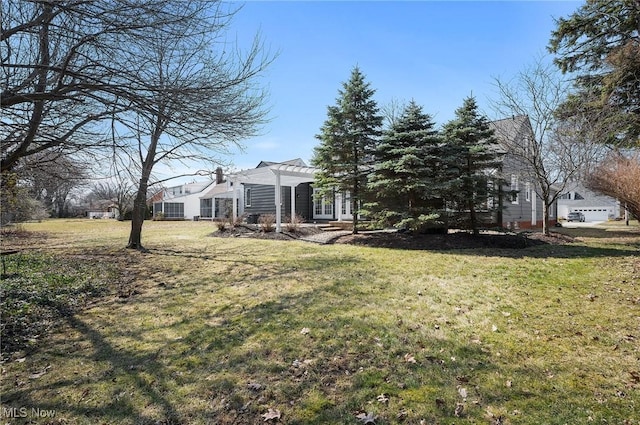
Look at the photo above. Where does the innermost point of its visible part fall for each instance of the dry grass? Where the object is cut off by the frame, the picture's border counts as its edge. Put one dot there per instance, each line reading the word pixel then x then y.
pixel 220 330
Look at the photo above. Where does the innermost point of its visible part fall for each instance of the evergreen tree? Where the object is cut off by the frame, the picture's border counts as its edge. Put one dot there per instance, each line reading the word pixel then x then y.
pixel 600 44
pixel 348 139
pixel 471 154
pixel 406 178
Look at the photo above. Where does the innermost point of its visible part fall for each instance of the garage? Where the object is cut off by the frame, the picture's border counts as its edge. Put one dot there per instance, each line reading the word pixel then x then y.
pixel 595 213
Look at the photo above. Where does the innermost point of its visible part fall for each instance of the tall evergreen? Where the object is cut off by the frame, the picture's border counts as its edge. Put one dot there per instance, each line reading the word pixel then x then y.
pixel 472 155
pixel 348 140
pixel 407 180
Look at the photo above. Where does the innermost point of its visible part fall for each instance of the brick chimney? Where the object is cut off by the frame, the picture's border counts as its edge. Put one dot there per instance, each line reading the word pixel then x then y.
pixel 219 175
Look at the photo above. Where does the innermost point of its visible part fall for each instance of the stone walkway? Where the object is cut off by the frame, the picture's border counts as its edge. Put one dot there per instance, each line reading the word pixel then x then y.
pixel 324 238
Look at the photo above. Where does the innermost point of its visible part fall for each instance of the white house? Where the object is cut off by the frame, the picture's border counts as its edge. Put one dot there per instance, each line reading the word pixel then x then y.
pixel 181 202
pixel 595 207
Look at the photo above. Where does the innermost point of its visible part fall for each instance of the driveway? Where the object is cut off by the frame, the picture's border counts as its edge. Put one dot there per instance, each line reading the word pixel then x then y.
pixel 577 224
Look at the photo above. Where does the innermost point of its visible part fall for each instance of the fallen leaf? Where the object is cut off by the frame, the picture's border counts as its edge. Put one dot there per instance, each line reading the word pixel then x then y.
pixel 271 415
pixel 305 331
pixel 40 374
pixel 382 398
pixel 462 379
pixel 459 410
pixel 367 418
pixel 409 358
pixel 509 384
pixel 37 375
pixel 494 328
pixel 254 386
pixel 463 392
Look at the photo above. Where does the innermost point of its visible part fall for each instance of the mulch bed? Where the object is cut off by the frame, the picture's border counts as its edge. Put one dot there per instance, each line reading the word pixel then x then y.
pixel 399 240
pixel 457 240
pixel 253 231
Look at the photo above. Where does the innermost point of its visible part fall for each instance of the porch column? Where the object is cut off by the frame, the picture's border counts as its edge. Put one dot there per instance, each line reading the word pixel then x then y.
pixel 534 209
pixel 278 203
pixel 293 202
pixel 235 201
pixel 338 205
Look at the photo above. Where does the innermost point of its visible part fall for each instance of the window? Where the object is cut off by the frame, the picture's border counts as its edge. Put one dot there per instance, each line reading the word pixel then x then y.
pixel 206 207
pixel 527 191
pixel 247 197
pixel 174 210
pixel 514 189
pixel 346 201
pixel 157 208
pixel 322 205
pixel 577 196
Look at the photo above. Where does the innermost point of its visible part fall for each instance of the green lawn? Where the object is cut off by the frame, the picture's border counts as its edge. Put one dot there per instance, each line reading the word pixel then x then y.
pixel 206 330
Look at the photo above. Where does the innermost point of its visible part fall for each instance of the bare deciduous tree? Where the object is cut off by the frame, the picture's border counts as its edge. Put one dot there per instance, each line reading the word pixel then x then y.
pixel 51 178
pixel 68 65
pixel 161 72
pixel 557 154
pixel 201 96
pixel 119 188
pixel 618 176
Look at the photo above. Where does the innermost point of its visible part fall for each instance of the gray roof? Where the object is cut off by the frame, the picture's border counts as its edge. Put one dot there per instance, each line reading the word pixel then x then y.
pixel 510 130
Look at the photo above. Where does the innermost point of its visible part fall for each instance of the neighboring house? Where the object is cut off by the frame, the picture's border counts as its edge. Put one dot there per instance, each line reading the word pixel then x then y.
pixel 102 209
pixel 521 206
pixel 595 207
pixel 182 202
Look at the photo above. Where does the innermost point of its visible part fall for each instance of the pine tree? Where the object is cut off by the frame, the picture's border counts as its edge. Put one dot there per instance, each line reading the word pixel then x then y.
pixel 472 154
pixel 348 140
pixel 406 178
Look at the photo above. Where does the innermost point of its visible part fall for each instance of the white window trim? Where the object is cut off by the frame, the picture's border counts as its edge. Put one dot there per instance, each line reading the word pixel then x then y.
pixel 514 189
pixel 247 197
pixel 527 191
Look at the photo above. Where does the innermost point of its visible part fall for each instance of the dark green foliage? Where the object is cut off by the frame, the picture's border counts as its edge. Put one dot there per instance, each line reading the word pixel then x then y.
pixel 348 140
pixel 407 179
pixel 601 42
pixel 471 152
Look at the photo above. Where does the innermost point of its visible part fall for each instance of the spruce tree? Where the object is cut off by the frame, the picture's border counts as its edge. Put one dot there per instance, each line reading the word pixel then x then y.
pixel 407 180
pixel 472 153
pixel 348 140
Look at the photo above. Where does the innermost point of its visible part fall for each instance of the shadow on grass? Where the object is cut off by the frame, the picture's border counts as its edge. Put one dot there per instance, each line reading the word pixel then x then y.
pixel 261 345
pixel 118 407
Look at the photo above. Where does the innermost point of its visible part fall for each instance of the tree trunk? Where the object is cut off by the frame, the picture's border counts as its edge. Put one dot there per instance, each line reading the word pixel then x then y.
pixel 354 205
pixel 137 216
pixel 140 203
pixel 474 218
pixel 545 216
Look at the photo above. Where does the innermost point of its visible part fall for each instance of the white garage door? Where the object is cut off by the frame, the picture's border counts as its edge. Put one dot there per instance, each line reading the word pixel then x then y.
pixel 595 214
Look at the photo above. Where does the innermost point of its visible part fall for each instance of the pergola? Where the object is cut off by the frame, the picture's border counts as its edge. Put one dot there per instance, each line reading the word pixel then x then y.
pixel 277 175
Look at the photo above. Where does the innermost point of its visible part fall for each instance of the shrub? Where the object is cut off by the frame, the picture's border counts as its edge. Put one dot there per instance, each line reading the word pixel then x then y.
pixel 159 216
pixel 293 224
pixel 222 225
pixel 425 223
pixel 267 222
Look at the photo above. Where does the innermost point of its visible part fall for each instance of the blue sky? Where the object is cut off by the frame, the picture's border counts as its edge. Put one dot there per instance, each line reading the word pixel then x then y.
pixel 436 53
